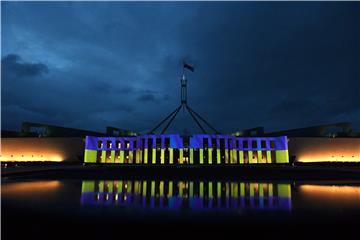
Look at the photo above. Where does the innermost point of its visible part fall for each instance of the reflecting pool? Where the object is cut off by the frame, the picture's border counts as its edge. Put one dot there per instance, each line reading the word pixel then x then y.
pixel 89 206
pixel 193 195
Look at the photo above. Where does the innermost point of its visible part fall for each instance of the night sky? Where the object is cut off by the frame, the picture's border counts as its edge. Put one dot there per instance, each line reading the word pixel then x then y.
pixel 90 65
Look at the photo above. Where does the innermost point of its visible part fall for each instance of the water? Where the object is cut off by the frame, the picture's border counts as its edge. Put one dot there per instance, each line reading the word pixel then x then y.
pixel 106 203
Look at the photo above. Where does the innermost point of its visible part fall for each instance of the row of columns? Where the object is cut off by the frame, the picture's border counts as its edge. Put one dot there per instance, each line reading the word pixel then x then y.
pixel 186 156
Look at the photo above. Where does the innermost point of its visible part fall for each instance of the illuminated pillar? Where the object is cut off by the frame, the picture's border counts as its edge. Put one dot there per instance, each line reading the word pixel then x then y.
pixel 234 155
pixel 131 156
pixel 90 156
pixel 112 156
pixel 117 158
pixel 218 157
pixel 191 156
pixel 210 155
pixel 171 155
pixel 103 156
pixel 268 156
pixel 145 156
pixel 201 155
pixel 226 156
pixel 140 156
pixel 153 156
pixel 231 156
pixel 241 157
pixel 250 154
pixel 282 156
pixel 181 155
pixel 259 157
pixel 162 156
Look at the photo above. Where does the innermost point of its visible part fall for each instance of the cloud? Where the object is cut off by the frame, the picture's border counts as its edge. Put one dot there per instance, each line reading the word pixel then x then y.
pixel 124 108
pixel 277 65
pixel 147 96
pixel 13 66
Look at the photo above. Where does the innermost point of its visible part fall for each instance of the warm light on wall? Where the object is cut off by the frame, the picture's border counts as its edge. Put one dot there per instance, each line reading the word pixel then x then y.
pixel 41 149
pixel 309 158
pixel 31 158
pixel 325 149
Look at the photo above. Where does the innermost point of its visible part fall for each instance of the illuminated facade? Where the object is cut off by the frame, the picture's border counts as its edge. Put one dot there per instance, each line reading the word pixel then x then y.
pixel 195 195
pixel 30 149
pixel 309 150
pixel 195 150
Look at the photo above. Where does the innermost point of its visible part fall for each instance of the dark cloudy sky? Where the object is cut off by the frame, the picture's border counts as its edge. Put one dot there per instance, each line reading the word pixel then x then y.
pixel 89 65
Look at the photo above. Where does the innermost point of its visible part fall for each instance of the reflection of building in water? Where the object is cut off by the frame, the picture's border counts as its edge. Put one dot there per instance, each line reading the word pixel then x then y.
pixel 30 188
pixel 187 195
pixel 332 197
pixel 175 149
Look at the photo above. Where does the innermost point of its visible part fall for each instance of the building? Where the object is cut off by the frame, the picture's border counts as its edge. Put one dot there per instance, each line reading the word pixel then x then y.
pixel 336 142
pixel 193 150
pixel 333 143
pixel 37 142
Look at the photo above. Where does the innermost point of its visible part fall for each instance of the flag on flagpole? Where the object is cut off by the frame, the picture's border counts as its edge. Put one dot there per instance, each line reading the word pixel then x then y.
pixel 191 68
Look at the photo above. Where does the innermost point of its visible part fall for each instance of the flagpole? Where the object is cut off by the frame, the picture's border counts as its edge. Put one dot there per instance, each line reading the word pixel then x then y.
pixel 184 105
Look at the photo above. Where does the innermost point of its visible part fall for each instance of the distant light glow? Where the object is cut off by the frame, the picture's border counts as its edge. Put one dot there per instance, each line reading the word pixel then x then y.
pixel 331 196
pixel 40 149
pixel 327 157
pixel 33 187
pixel 32 158
pixel 325 149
